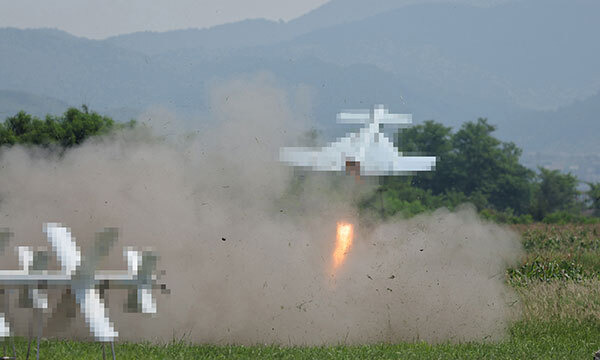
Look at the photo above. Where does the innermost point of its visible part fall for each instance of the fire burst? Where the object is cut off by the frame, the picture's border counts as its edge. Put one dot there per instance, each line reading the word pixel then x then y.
pixel 343 243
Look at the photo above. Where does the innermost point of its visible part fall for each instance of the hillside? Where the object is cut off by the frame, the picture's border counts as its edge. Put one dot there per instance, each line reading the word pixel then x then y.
pixel 11 102
pixel 520 70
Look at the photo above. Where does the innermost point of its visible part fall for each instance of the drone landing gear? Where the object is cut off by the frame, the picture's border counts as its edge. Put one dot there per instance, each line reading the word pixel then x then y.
pixel 112 349
pixel 12 341
pixel 37 315
pixel 38 318
pixel 14 355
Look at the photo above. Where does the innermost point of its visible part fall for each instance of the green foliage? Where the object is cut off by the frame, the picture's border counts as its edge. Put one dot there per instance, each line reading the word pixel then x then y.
pixel 391 198
pixel 554 192
pixel 564 217
pixel 594 197
pixel 473 166
pixel 558 253
pixel 540 269
pixel 533 339
pixel 567 239
pixel 72 128
pixel 471 162
pixel 506 217
pixel 433 139
pixel 489 168
pixel 396 196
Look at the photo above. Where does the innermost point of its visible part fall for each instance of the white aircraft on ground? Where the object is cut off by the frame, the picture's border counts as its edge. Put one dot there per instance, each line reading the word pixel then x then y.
pixel 80 279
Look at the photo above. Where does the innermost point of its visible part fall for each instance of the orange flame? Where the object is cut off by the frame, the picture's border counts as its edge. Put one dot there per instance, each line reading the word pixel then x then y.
pixel 345 232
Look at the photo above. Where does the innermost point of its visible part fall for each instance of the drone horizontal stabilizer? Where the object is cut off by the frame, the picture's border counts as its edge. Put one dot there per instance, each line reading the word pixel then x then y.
pixel 379 115
pixel 354 117
pixel 400 119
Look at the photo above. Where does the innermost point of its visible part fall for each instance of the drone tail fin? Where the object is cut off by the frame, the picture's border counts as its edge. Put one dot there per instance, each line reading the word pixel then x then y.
pixel 143 265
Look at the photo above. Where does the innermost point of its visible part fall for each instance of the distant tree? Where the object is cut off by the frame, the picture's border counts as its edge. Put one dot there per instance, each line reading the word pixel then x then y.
pixel 488 168
pixel 472 164
pixel 433 139
pixel 19 124
pixel 554 191
pixel 7 137
pixel 594 197
pixel 72 128
pixel 78 125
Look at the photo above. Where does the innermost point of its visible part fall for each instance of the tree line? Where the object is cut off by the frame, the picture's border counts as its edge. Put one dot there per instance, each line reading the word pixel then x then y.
pixel 473 166
pixel 61 132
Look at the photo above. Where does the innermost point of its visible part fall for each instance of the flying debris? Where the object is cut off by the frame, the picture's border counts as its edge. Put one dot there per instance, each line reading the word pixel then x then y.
pixel 79 279
pixel 366 153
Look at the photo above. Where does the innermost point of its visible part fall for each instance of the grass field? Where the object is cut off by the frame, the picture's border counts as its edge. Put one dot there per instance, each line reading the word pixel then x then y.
pixel 557 282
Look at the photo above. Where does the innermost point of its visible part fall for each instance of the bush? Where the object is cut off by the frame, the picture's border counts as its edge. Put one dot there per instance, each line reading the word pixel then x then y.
pixel 505 217
pixel 564 217
pixel 70 129
pixel 547 270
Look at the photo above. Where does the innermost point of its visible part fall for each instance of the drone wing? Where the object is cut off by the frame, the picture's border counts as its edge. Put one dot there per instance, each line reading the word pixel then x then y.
pixel 325 159
pixel 414 163
pixel 64 247
pixel 88 298
pixel 92 308
pixel 381 157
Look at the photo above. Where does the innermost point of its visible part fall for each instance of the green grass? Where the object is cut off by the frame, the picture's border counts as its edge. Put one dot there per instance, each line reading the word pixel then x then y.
pixel 540 269
pixel 564 238
pixel 527 340
pixel 558 252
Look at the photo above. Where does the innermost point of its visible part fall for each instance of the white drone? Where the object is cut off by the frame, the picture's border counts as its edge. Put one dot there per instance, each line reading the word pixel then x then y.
pixel 88 285
pixel 366 153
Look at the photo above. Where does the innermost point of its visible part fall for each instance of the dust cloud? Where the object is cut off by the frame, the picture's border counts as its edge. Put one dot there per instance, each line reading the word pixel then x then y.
pixel 247 246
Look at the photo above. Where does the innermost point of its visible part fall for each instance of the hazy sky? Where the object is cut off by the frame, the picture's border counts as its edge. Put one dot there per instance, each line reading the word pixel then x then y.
pixel 98 19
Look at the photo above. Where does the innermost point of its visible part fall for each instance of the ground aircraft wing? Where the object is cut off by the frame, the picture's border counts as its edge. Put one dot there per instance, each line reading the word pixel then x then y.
pixel 64 246
pixel 87 296
pixel 93 310
pixel 4 328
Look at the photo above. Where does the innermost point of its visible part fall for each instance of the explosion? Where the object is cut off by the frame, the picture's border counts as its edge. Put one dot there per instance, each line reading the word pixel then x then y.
pixel 343 243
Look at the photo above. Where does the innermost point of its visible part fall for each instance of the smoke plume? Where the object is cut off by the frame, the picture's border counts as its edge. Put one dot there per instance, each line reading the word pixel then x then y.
pixel 246 261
